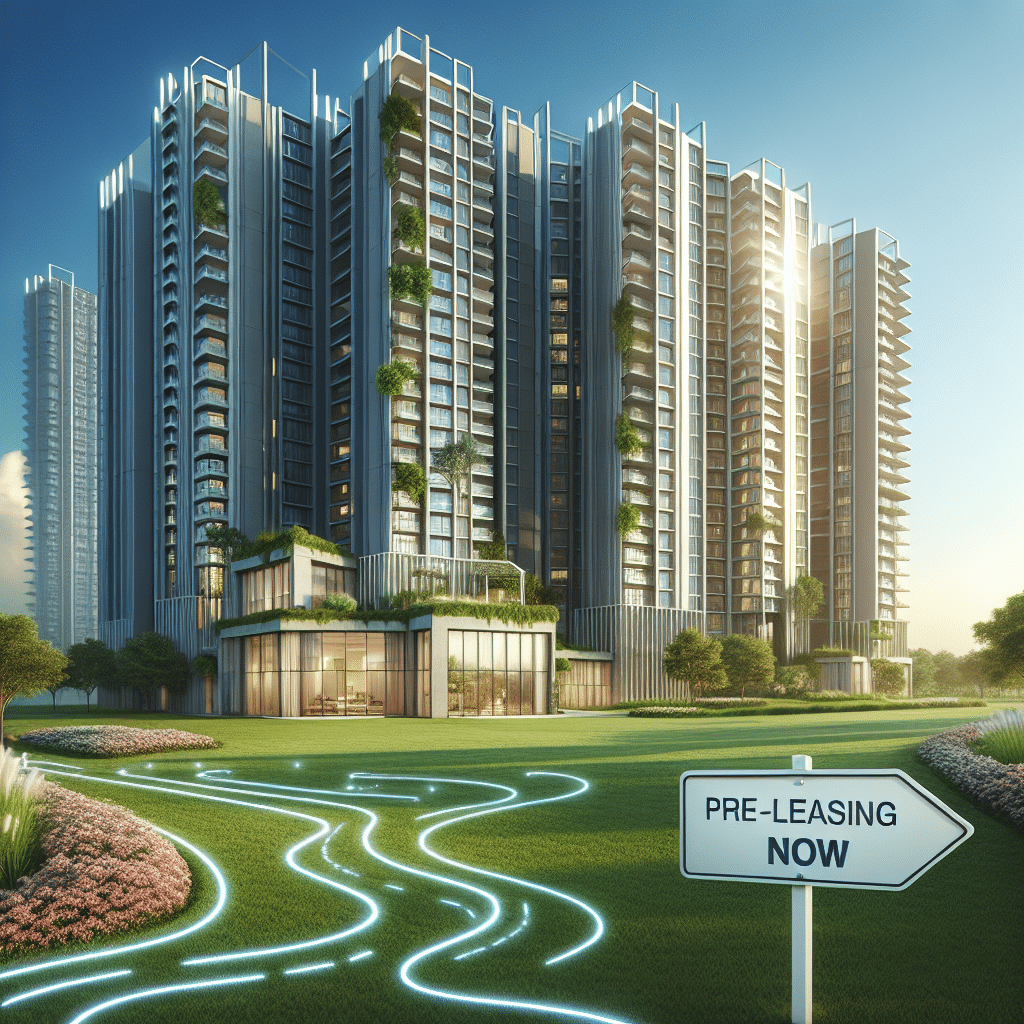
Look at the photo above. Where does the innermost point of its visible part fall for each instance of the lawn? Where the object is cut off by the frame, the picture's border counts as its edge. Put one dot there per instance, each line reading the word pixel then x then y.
pixel 948 949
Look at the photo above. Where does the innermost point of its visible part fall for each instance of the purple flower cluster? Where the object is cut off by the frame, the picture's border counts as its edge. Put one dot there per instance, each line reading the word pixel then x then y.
pixel 115 740
pixel 991 784
pixel 104 870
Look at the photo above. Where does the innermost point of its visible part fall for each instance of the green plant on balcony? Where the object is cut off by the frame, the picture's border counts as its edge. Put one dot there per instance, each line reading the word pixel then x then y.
pixel 627 438
pixel 390 165
pixel 207 205
pixel 627 519
pixel 411 281
pixel 204 665
pixel 392 377
pixel 756 524
pixel 622 325
pixel 397 114
pixel 410 228
pixel 409 477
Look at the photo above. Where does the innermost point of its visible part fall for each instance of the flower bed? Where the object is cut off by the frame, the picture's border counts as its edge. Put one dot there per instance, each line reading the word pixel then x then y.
pixel 115 740
pixel 999 787
pixel 105 870
pixel 667 712
pixel 728 702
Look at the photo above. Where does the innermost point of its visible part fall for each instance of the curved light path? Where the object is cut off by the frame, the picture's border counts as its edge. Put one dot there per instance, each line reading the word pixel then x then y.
pixel 326 833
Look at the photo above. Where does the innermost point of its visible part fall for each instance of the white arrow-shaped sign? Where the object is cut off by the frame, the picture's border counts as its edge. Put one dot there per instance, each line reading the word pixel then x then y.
pixel 848 829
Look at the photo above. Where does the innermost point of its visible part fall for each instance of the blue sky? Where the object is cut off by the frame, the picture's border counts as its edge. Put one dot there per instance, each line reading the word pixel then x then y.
pixel 906 115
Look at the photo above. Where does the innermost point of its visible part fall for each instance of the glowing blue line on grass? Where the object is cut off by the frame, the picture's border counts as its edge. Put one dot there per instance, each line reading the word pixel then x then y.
pixel 58 764
pixel 462 956
pixel 512 794
pixel 311 967
pixel 301 789
pixel 164 990
pixel 63 984
pixel 388 885
pixel 584 786
pixel 360 956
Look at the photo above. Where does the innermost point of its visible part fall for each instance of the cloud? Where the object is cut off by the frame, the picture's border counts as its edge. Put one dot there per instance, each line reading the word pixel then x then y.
pixel 13 535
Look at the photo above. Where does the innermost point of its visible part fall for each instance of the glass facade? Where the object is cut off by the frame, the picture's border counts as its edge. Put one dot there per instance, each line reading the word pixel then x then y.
pixel 496 673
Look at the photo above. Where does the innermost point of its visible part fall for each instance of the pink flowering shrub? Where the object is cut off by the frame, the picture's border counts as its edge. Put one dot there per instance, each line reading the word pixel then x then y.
pixel 999 787
pixel 115 740
pixel 105 870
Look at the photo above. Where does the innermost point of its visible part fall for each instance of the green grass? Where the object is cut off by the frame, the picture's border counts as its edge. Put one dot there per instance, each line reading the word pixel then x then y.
pixel 948 949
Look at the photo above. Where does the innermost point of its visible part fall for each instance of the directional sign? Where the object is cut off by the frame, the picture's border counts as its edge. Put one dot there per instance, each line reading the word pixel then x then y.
pixel 847 829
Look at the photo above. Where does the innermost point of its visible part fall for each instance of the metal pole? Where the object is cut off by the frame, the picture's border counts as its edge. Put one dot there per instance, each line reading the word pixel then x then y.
pixel 802 907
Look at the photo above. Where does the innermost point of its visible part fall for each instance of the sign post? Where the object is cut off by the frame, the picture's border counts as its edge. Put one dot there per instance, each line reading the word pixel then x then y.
pixel 802 912
pixel 875 829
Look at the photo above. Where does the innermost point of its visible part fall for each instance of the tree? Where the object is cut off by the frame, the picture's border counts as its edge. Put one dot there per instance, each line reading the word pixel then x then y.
pixel 397 114
pixel 454 462
pixel 805 597
pixel 409 477
pixel 207 205
pixel 887 677
pixel 695 660
pixel 410 228
pixel 627 519
pixel 54 688
pixel 149 662
pixel 748 662
pixel 977 670
pixel 28 665
pixel 231 543
pixel 411 281
pixel 924 671
pixel 392 377
pixel 622 325
pixel 947 673
pixel 90 664
pixel 1003 638
pixel 627 437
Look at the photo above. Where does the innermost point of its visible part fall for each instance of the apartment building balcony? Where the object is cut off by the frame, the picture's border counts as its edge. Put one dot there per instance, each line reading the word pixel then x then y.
pixel 208 272
pixel 634 173
pixel 409 321
pixel 215 154
pixel 406 342
pixel 209 301
pixel 208 170
pixel 480 228
pixel 636 235
pixel 483 159
pixel 632 146
pixel 636 497
pixel 634 392
pixel 211 129
pixel 212 253
pixel 634 476
pixel 638 281
pixel 211 371
pixel 635 259
pixel 481 429
pixel 405 410
pixel 211 323
pixel 210 347
pixel 637 372
pixel 482 319
pixel 482 273
pixel 483 408
pixel 637 127
pixel 638 414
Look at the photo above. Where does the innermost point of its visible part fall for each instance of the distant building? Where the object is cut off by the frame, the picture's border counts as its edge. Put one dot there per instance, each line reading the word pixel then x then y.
pixel 860 450
pixel 61 455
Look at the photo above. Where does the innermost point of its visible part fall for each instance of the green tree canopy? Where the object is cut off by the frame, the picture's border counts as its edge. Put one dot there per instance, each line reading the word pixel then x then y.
pixel 410 227
pixel 392 377
pixel 231 543
pixel 207 205
pixel 748 662
pixel 397 114
pixel 627 437
pixel 28 665
pixel 622 325
pixel 1003 638
pixel 627 519
pixel 148 662
pixel 90 664
pixel 409 477
pixel 805 597
pixel 887 677
pixel 411 281
pixel 924 671
pixel 696 660
pixel 455 461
